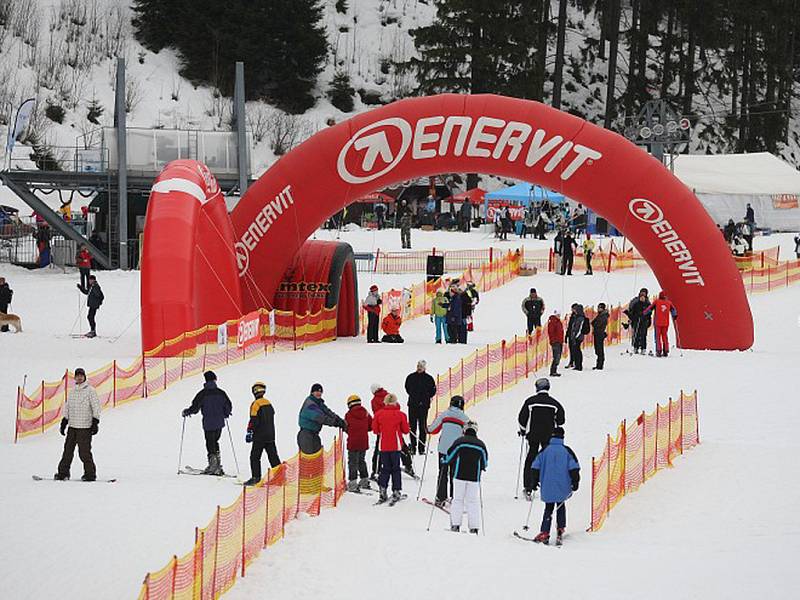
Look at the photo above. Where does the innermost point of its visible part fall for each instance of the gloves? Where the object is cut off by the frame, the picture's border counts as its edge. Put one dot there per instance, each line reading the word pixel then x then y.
pixel 63 427
pixel 249 437
pixel 95 426
pixel 186 412
pixel 521 433
pixel 535 487
pixel 574 486
pixel 431 318
pixel 342 424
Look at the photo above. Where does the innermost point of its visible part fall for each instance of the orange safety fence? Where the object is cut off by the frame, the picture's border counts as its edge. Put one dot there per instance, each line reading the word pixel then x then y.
pixel 416 261
pixel 416 301
pixel 762 259
pixel 639 450
pixel 783 274
pixel 497 367
pixel 606 259
pixel 173 360
pixel 236 534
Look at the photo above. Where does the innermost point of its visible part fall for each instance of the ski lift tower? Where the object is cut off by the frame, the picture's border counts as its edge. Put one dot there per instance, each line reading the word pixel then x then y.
pixel 660 129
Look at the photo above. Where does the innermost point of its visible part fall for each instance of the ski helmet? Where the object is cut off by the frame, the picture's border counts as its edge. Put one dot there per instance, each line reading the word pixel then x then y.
pixel 471 426
pixel 258 388
pixel 542 384
pixel 353 400
pixel 457 401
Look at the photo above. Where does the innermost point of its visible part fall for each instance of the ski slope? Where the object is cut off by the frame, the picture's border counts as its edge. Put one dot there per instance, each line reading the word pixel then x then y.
pixel 721 524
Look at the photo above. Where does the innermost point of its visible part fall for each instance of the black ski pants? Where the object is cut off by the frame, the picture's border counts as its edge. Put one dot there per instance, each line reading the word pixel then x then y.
pixel 640 336
pixel 537 441
pixel 372 327
pixel 4 309
pixel 259 447
pixel 308 441
pixel 418 420
pixel 90 318
pixel 561 516
pixel 83 439
pixel 599 350
pixel 390 469
pixel 405 456
pixel 576 355
pixel 444 483
pixel 534 321
pixel 566 266
pixel 356 465
pixel 556 348
pixel 84 277
pixel 212 440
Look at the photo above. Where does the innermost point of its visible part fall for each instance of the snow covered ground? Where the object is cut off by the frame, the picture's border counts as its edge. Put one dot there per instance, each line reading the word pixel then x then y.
pixel 722 524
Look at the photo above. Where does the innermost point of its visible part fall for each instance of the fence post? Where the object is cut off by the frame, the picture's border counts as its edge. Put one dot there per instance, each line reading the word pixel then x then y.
pixel 644 445
pixel 681 421
pixel 591 508
pixel 450 379
pixel 244 524
pixel 114 380
pixel 216 552
pixel 144 377
pixel 655 453
pixel 527 355
pixel 463 386
pixel 438 387
pixel 488 363
pixel 515 361
pixel 669 433
pixel 147 587
pixel 375 264
pixel 174 574
pixel 608 474
pixel 503 367
pixel 202 560
pixel 335 470
pixel 696 418
pixel 624 456
pixel 42 395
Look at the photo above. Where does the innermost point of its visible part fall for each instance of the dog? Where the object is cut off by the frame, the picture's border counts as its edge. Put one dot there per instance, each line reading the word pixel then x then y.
pixel 11 319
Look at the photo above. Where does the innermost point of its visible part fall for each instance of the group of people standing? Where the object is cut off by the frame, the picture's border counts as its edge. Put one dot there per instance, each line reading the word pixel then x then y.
pixel 641 313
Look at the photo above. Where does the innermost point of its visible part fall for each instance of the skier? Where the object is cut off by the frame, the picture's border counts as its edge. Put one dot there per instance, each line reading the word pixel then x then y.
pixel 533 307
pixel 378 403
pixel 599 324
pixel 450 426
pixel 94 301
pixel 439 316
pixel 555 333
pixel 372 304
pixel 390 424
pixel 568 251
pixel 261 433
pixel 391 327
pixel 559 473
pixel 528 223
pixel 471 459
pixel 81 413
pixel 558 248
pixel 216 407
pixel 359 424
pixel 83 260
pixel 420 387
pixel 471 297
pixel 405 225
pixel 662 308
pixel 577 328
pixel 639 321
pixel 796 247
pixel 313 415
pixel 6 293
pixel 455 315
pixel 588 252
pixel 539 416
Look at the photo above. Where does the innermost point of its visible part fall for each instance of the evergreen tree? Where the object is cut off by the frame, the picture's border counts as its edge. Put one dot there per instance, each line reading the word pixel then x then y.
pixel 156 22
pixel 341 92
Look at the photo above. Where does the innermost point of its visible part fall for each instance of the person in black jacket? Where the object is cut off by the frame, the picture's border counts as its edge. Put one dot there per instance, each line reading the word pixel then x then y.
pixel 539 415
pixel 94 300
pixel 568 250
pixel 420 387
pixel 577 328
pixel 216 407
pixel 261 433
pixel 471 458
pixel 533 307
pixel 639 321
pixel 6 293
pixel 455 316
pixel 599 324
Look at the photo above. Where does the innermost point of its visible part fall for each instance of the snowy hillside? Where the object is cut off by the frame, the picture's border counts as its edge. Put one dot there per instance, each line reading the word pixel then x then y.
pixel 62 51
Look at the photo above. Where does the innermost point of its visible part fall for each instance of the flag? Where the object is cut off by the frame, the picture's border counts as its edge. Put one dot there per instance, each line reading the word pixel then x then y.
pixel 20 123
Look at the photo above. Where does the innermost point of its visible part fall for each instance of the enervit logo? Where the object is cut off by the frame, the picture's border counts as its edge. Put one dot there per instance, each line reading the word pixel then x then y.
pixel 374 140
pixel 645 211
pixel 247 331
pixel 242 257
pixel 378 148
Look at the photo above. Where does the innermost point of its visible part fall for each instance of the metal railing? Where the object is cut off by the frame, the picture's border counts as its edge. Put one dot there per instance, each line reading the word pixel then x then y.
pixel 69 159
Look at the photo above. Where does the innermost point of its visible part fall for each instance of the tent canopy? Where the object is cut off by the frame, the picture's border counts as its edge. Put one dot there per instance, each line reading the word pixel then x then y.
pixel 524 193
pixel 474 196
pixel 756 173
pixel 374 197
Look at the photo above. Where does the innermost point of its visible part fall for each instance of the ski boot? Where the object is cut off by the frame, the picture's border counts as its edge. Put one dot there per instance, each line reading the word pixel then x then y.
pixel 252 481
pixel 216 465
pixel 559 536
pixel 89 478
pixel 475 531
pixel 210 467
pixel 383 495
pixel 364 484
pixel 60 477
pixel 352 486
pixel 396 496
pixel 455 528
pixel 543 538
pixel 91 334
pixel 410 471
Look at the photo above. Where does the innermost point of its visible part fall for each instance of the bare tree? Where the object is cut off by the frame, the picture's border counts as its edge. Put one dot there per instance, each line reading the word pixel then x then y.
pixel 285 131
pixel 133 94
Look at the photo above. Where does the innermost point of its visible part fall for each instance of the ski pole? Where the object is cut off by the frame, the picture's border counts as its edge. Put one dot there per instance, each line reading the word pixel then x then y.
pixel 530 510
pixel 233 450
pixel 180 451
pixel 430 517
pixel 480 495
pixel 519 466
pixel 422 475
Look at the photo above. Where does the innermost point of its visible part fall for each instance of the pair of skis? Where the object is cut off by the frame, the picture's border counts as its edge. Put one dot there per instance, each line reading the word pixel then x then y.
pixel 558 543
pixel 391 500
pixel 40 478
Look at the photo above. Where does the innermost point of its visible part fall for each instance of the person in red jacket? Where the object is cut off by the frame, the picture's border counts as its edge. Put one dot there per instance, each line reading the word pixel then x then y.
pixel 391 327
pixel 390 424
pixel 662 308
pixel 83 260
pixel 555 333
pixel 378 398
pixel 359 424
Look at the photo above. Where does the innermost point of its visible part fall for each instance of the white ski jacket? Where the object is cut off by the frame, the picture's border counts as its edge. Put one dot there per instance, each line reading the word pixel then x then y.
pixel 82 406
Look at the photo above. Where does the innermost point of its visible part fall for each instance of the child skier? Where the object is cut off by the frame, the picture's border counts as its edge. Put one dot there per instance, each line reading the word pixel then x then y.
pixel 662 308
pixel 390 424
pixel 261 433
pixel 471 458
pixel 359 423
pixel 216 407
pixel 556 468
pixel 450 425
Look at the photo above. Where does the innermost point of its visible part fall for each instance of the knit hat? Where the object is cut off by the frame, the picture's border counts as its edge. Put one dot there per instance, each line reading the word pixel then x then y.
pixel 457 401
pixel 471 426
pixel 601 306
pixel 373 288
pixel 353 400
pixel 317 387
pixel 210 376
pixel 543 383
pixel 533 290
pixel 80 371
pixel 375 387
pixel 390 399
pixel 558 432
pixel 258 388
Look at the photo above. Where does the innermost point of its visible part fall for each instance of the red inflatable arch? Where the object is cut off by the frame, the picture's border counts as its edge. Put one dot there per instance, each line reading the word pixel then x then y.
pixel 503 136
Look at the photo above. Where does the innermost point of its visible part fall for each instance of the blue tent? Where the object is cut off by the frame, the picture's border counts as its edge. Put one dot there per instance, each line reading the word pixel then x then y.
pixel 524 193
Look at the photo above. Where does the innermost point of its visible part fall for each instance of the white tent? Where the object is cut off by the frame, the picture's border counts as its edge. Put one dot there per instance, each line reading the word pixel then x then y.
pixel 725 183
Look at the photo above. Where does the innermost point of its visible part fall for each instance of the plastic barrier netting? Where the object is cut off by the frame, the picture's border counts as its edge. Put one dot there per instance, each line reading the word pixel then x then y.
pixel 639 450
pixel 781 275
pixel 236 534
pixel 151 373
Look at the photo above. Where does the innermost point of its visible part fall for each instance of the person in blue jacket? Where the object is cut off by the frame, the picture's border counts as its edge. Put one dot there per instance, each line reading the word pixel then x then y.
pixel 556 468
pixel 216 407
pixel 313 415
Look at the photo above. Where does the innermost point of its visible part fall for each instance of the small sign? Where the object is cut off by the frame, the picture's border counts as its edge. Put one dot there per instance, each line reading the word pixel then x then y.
pixel 247 331
pixel 784 201
pixel 272 329
pixel 222 336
